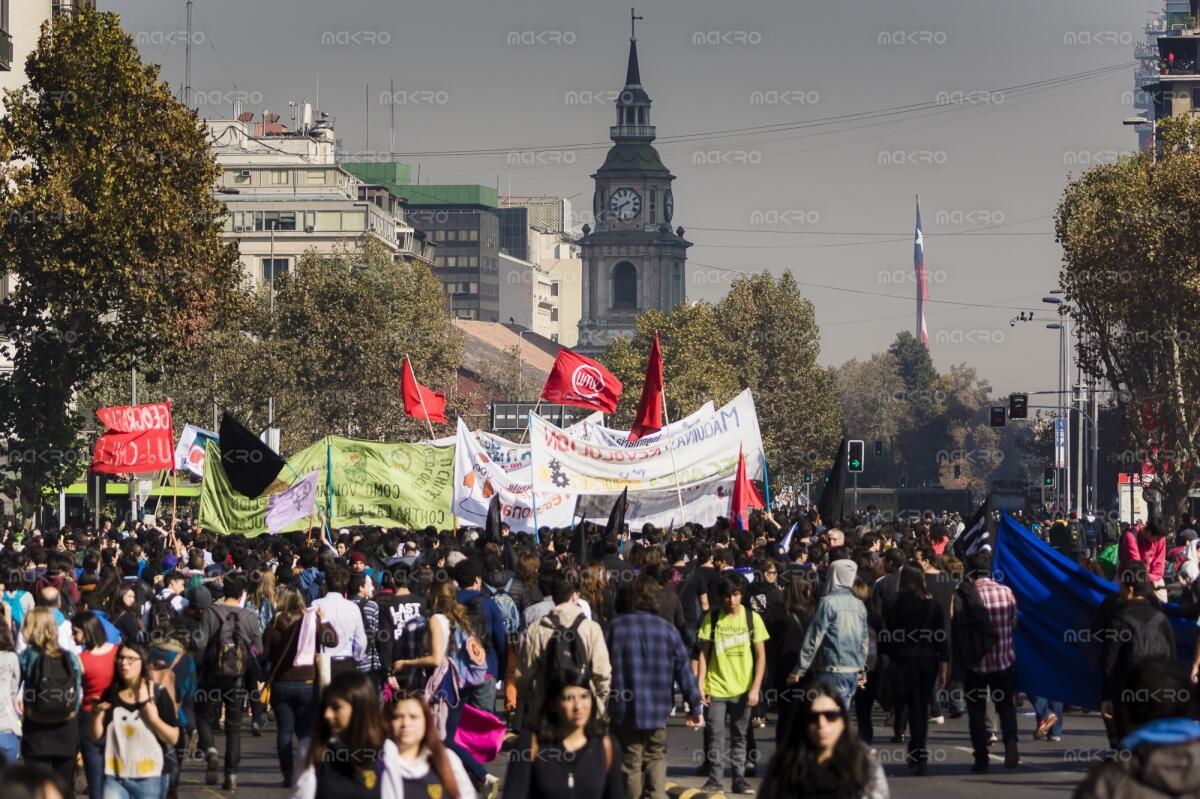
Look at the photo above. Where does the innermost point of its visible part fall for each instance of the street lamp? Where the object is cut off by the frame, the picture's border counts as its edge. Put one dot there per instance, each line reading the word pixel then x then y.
pixel 1062 486
pixel 1153 123
pixel 521 331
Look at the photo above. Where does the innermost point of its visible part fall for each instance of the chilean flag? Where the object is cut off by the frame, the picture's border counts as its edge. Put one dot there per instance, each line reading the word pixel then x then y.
pixel 922 285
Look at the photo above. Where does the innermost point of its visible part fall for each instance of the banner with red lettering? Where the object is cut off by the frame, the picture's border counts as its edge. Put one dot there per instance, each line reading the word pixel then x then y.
pixel 137 439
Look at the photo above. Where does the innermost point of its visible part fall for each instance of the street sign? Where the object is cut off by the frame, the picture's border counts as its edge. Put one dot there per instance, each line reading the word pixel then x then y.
pixel 1060 443
pixel 854 455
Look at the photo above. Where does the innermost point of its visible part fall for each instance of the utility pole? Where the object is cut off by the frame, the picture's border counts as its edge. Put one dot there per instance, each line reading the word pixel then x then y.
pixel 187 60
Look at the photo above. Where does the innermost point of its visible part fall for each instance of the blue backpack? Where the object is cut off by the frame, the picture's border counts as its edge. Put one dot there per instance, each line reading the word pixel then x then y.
pixel 469 656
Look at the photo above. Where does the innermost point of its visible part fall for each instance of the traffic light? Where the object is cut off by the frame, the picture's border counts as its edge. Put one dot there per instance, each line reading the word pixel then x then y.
pixel 957 471
pixel 878 449
pixel 997 416
pixel 903 481
pixel 1018 406
pixel 808 478
pixel 1048 477
pixel 854 456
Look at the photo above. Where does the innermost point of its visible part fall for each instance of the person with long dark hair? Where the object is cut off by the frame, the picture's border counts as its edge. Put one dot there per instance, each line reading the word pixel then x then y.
pixel 914 636
pixel 429 769
pixel 136 720
pixel 351 756
pixel 799 605
pixel 569 752
pixel 99 661
pixel 820 756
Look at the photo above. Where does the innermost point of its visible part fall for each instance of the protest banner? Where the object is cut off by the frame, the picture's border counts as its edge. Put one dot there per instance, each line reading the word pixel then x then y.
pixel 137 439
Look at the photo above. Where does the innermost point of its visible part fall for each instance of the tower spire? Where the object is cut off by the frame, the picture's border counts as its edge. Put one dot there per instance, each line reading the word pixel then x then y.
pixel 633 75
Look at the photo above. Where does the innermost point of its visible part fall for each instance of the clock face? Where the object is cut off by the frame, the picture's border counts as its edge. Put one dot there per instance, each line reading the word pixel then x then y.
pixel 625 204
pixel 668 206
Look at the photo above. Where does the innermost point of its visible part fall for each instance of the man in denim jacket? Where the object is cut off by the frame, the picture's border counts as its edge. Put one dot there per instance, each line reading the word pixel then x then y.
pixel 835 644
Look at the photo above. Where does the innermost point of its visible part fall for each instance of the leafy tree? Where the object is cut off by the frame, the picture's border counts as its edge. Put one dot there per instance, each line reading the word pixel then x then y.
pixel 1131 276
pixel 762 336
pixel 110 228
pixel 873 407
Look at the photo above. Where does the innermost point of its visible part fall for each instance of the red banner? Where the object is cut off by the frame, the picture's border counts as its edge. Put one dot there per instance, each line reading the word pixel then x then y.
pixel 138 439
pixel 580 381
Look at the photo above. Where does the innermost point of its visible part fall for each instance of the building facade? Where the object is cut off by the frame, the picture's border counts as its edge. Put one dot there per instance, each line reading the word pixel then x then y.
pixel 632 261
pixel 287 196
pixel 1168 67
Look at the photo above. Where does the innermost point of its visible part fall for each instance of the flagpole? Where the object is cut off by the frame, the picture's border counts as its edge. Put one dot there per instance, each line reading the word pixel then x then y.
pixel 174 497
pixel 537 537
pixel 670 443
pixel 329 490
pixel 525 432
pixel 420 396
pixel 766 480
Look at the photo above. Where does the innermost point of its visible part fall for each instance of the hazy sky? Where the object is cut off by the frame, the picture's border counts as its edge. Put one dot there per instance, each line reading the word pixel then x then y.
pixel 535 80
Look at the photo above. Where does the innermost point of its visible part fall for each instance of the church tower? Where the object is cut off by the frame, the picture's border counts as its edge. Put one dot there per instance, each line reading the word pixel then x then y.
pixel 632 261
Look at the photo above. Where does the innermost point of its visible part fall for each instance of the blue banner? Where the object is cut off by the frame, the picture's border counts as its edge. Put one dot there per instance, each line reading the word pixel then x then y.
pixel 1057 601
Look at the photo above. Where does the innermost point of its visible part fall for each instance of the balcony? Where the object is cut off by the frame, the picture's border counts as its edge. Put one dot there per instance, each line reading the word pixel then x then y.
pixel 1178 66
pixel 631 132
pixel 6 52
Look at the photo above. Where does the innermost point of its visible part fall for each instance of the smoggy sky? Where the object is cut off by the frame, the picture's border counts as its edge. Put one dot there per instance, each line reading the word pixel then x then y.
pixel 534 81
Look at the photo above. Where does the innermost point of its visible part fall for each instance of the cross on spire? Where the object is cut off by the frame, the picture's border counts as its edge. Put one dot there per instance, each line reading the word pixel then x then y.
pixel 633 18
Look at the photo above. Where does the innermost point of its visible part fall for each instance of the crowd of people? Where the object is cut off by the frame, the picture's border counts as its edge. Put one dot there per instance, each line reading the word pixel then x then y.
pixel 396 661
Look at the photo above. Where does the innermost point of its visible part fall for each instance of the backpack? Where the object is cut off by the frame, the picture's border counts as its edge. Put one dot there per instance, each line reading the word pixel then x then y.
pixel 51 693
pixel 715 613
pixel 228 656
pixel 508 608
pixel 1136 631
pixel 410 645
pixel 564 651
pixel 478 617
pixel 469 657
pixel 972 632
pixel 162 673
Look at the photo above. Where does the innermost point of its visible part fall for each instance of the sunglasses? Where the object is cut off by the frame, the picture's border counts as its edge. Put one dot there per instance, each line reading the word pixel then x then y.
pixel 828 715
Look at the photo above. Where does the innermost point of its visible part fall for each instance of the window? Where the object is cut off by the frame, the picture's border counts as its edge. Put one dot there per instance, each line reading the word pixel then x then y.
pixel 310 220
pixel 314 177
pixel 451 235
pixel 472 235
pixel 653 206
pixel 451 260
pixel 272 268
pixel 1195 101
pixel 624 287
pixel 281 177
pixel 274 220
pixel 553 289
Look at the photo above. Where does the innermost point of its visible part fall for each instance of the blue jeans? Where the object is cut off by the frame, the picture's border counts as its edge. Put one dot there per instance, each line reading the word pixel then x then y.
pixel 295 706
pixel 93 757
pixel 845 683
pixel 1042 707
pixel 10 748
pixel 127 788
pixel 474 768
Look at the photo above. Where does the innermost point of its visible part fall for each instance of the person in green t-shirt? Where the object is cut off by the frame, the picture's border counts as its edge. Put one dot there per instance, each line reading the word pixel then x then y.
pixel 732 662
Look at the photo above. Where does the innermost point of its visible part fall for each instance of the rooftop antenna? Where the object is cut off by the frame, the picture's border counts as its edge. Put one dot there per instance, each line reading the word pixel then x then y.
pixel 367 124
pixel 392 130
pixel 187 60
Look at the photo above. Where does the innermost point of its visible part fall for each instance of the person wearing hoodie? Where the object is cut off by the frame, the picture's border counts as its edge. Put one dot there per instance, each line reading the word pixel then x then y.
pixel 1160 757
pixel 836 642
pixel 488 623
pixel 310 580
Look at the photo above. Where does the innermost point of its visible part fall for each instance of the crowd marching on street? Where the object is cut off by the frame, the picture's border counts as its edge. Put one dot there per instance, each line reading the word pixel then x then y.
pixel 399 662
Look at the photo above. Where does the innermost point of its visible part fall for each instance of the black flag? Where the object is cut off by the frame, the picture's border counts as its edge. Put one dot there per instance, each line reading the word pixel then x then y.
pixel 250 464
pixel 616 517
pixel 980 530
pixel 491 527
pixel 830 503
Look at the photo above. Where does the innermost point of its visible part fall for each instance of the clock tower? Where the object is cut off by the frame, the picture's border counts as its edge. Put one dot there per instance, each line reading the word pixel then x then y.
pixel 632 260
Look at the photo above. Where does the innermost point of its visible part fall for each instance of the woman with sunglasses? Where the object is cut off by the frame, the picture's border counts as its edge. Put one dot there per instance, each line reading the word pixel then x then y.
pixel 351 756
pixel 430 770
pixel 820 756
pixel 136 720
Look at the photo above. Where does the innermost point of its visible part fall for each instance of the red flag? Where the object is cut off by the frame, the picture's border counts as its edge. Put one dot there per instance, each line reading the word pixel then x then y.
pixel 576 380
pixel 421 402
pixel 138 439
pixel 745 495
pixel 649 418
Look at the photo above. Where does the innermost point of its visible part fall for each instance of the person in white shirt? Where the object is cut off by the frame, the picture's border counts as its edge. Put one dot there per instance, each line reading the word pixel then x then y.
pixel 49 597
pixel 346 619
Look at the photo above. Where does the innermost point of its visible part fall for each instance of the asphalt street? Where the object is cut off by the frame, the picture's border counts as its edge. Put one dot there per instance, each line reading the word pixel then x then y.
pixel 1047 768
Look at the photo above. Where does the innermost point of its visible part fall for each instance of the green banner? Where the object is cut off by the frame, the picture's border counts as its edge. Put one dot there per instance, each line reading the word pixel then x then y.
pixel 390 485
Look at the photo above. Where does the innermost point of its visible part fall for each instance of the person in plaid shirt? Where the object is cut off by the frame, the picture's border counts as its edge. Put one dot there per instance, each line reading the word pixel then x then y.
pixel 994 675
pixel 648 659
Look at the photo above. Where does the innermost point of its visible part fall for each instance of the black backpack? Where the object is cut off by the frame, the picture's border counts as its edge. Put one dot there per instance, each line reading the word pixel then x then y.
pixel 410 645
pixel 564 650
pixel 972 632
pixel 228 655
pixel 51 695
pixel 479 622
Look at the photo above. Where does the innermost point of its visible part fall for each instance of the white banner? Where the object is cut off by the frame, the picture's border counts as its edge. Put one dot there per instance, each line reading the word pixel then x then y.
pixel 609 437
pixel 477 478
pixel 569 464
pixel 702 504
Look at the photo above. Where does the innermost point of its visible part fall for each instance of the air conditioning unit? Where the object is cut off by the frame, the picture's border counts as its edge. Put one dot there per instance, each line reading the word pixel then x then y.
pixel 242 229
pixel 245 173
pixel 309 228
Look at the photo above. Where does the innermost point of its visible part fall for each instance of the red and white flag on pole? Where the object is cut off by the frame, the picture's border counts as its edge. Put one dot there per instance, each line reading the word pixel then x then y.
pixel 580 381
pixel 649 417
pixel 922 285
pixel 421 402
